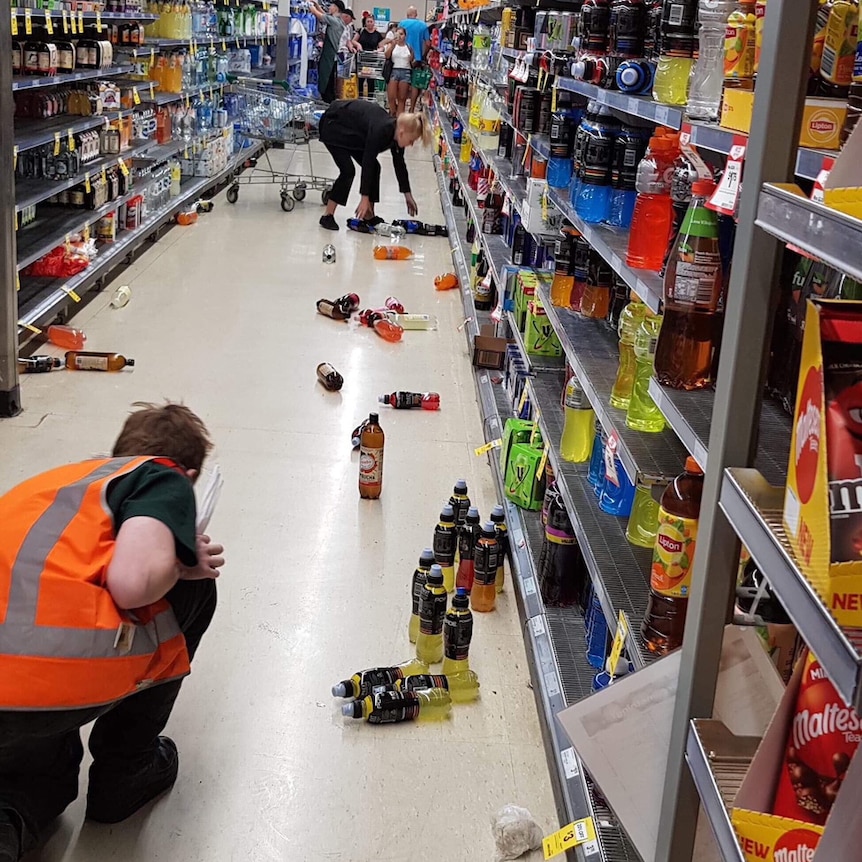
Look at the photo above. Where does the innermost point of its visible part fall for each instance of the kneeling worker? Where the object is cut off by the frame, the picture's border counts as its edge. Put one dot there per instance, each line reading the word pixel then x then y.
pixel 105 593
pixel 357 130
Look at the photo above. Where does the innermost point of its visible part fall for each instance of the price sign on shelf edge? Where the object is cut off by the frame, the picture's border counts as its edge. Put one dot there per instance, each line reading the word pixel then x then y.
pixel 619 643
pixel 725 198
pixel 571 835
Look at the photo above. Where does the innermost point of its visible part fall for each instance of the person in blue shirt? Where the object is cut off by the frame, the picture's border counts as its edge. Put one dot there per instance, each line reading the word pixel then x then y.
pixel 419 40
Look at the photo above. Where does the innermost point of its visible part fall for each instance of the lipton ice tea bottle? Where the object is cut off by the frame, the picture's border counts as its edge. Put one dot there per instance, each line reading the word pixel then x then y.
pixel 498 517
pixel 445 544
pixel 468 535
pixel 420 576
pixel 371 459
pixel 457 634
pixel 483 596
pixel 87 360
pixel 673 555
pixel 432 613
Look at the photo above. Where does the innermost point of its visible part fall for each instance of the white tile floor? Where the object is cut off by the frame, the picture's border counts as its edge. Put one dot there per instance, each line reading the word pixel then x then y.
pixel 316 586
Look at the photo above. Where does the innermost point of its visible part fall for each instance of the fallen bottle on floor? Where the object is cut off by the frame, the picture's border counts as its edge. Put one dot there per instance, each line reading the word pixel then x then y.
pixel 447 281
pixel 329 377
pixel 391 707
pixel 328 254
pixel 392 252
pixel 463 687
pixel 330 308
pixel 421 228
pixel 38 364
pixel 66 337
pixel 87 360
pixel 382 325
pixel 356 434
pixel 410 400
pixel 363 681
pixel 394 304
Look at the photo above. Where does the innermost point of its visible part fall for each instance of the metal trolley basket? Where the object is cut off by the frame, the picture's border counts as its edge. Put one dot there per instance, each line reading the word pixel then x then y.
pixel 271 112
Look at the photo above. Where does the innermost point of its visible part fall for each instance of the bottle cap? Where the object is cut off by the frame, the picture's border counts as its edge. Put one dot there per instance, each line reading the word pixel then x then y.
pixel 447 513
pixel 461 486
pixel 373 419
pixel 497 513
pixel 435 576
pixel 630 76
pixel 342 689
pixel 130 362
pixel 461 600
pixel 473 515
pixel 383 399
pixel 702 188
pixel 691 466
pixel 489 530
pixel 426 558
pixel 352 709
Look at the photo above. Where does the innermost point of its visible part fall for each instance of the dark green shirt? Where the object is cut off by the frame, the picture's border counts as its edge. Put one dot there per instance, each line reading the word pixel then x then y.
pixel 160 492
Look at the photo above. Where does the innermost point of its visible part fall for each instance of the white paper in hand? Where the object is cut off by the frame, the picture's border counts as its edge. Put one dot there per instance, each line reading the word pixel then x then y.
pixel 208 499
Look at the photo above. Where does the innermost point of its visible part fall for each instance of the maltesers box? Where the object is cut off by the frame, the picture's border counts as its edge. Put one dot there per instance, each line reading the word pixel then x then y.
pixel 817 535
pixel 822 119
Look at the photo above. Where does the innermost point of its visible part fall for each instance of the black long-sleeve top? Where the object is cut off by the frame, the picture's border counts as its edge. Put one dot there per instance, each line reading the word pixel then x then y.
pixel 366 129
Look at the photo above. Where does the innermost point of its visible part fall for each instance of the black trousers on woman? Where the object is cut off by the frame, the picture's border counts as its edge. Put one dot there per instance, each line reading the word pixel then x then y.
pixel 344 159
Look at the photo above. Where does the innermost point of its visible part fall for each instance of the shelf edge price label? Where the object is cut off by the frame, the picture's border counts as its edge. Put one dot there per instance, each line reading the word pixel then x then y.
pixel 223 45
pixel 543 462
pixel 619 643
pixel 80 20
pixel 136 96
pixel 70 140
pixel 49 23
pixel 74 23
pixel 56 143
pixel 122 166
pixel 104 175
pixel 725 198
pixel 70 293
pixel 685 131
pixel 29 326
pixel 152 91
pixel 579 832
pixel 65 21
pixel 87 185
pixel 491 444
pixel 28 21
pixel 14 24
pixel 15 157
pixel 85 233
pixel 98 21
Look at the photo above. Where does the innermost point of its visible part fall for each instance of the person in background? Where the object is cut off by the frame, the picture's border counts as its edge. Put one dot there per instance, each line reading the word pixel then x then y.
pixel 390 32
pixel 327 65
pixel 368 40
pixel 419 40
pixel 346 45
pixel 105 594
pixel 356 130
pixel 398 88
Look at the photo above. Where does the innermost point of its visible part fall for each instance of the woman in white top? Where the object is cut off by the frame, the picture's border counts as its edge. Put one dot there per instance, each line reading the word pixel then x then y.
pixel 401 55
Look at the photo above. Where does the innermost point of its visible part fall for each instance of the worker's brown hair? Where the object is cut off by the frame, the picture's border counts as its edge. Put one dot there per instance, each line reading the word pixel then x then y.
pixel 170 430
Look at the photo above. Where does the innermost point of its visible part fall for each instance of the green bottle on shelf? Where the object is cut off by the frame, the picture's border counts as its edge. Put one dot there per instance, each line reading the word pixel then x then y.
pixel 643 415
pixel 630 320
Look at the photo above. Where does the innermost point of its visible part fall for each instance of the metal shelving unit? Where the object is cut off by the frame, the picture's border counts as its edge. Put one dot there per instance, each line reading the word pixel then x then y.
pixel 29 83
pixel 191 93
pixel 21 11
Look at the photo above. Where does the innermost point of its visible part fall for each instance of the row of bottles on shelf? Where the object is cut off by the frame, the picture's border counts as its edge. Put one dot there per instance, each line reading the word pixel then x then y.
pixel 83 100
pixel 200 20
pixel 177 71
pixel 49 55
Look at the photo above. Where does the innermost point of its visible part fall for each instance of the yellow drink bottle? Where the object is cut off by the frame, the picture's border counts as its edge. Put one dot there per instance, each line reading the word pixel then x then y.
pixel 677 51
pixel 498 516
pixel 445 544
pixel 391 707
pixel 420 575
pixel 363 681
pixel 457 634
pixel 432 613
pixel 463 687
pixel 577 441
pixel 630 320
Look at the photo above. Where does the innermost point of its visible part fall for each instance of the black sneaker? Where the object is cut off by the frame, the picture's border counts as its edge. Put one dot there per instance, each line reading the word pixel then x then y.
pixel 10 838
pixel 328 222
pixel 116 793
pixel 374 221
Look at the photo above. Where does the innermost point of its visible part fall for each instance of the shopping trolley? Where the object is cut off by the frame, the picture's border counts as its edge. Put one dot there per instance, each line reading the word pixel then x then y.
pixel 274 113
pixel 370 69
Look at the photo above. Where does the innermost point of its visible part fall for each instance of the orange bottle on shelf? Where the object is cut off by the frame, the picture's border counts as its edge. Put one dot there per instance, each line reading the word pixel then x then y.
pixel 66 337
pixel 371 459
pixel 392 252
pixel 88 360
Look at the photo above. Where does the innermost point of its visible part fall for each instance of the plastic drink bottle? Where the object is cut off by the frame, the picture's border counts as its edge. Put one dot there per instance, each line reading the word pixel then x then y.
pixel 468 535
pixel 460 501
pixel 739 46
pixel 483 596
pixel 561 569
pixel 688 168
pixel 457 634
pixel 348 303
pixel 413 321
pixel 635 76
pixel 463 686
pixel 410 400
pixel 677 49
pixel 643 522
pixel 328 253
pixel 692 299
pixel 643 414
pixel 597 458
pixel 759 21
pixel 673 555
pixel 393 304
pixel 420 576
pixel 596 296
pixel 66 337
pixel 577 439
pixel 498 518
pixel 392 252
pixel 594 26
pixel 629 148
pixel 371 442
pixel 582 256
pixel 707 76
pixel 382 325
pixel 83 360
pixel 38 364
pixel 561 286
pixel 597 152
pixel 391 707
pixel 627 28
pixel 618 492
pixel 651 222
pixel 630 320
pixel 445 544
pixel 331 308
pixel 363 682
pixel 432 613
pixel 329 377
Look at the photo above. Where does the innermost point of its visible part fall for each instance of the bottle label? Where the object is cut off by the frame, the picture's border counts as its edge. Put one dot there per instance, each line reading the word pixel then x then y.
pixel 370 466
pixel 425 680
pixel 391 707
pixel 575 398
pixel 91 363
pixel 377 677
pixel 697 281
pixel 559 537
pixel 673 554
pixel 444 545
pixel 457 634
pixel 486 563
pixel 739 50
pixel 432 612
pixel 420 577
pixel 466 543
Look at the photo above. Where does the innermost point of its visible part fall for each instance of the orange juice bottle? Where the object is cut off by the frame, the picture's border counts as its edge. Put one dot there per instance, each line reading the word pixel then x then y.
pixel 392 252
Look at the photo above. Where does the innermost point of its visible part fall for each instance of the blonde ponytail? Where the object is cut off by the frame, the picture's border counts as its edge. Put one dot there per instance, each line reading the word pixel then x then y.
pixel 419 125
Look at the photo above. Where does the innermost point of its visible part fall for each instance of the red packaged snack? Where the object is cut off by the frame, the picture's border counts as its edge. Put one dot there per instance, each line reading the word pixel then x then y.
pixel 823 738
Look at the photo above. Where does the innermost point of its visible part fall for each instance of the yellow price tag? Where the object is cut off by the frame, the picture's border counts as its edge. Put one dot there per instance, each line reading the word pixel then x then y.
pixel 14 24
pixel 65 21
pixel 554 97
pixel 28 21
pixel 15 157
pixel 152 56
pixel 122 166
pixel 98 20
pixel 74 24
pixel 619 643
pixel 188 103
pixel 49 23
pixel 493 444
pixel 70 140
pixel 543 462
pixel 136 96
pixel 223 45
pixel 35 330
pixel 80 21
pixel 569 836
pixel 525 393
pixel 266 7
pixel 211 93
pixel 16 221
pixel 152 91
pixel 104 175
pixel 87 186
pixel 56 143
pixel 237 41
pixel 17 281
pixel 527 149
pixel 186 152
pixel 70 293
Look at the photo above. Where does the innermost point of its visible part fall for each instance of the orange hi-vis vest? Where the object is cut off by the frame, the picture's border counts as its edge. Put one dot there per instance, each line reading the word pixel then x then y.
pixel 64 644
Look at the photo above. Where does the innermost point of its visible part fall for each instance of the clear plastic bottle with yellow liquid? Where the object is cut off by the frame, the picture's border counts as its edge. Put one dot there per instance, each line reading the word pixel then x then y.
pixel 432 613
pixel 420 576
pixel 363 681
pixel 392 707
pixel 463 687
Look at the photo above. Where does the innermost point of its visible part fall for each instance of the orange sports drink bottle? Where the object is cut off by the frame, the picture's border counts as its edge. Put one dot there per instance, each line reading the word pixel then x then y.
pixel 392 252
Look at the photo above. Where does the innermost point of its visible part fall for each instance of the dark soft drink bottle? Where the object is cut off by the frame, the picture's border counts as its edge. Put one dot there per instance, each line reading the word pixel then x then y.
pixel 460 501
pixel 468 536
pixel 562 569
pixel 595 24
pixel 672 560
pixel 627 28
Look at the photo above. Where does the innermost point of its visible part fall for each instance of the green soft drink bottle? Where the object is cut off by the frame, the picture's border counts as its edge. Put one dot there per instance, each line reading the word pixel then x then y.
pixel 432 613
pixel 630 320
pixel 643 520
pixel 420 575
pixel 643 415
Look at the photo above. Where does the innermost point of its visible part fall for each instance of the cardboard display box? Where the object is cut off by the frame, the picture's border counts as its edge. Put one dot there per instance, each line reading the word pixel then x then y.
pixel 489 351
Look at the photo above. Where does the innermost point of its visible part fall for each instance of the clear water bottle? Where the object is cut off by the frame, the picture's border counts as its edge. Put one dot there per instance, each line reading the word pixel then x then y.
pixel 707 75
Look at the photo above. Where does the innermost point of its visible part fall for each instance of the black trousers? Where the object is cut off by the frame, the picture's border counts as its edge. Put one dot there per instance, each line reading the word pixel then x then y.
pixel 344 159
pixel 41 752
pixel 327 92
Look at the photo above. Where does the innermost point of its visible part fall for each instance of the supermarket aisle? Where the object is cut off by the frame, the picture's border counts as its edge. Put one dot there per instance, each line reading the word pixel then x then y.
pixel 222 317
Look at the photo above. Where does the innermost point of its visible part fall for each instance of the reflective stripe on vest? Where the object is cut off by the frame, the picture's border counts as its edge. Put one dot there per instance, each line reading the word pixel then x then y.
pixel 35 660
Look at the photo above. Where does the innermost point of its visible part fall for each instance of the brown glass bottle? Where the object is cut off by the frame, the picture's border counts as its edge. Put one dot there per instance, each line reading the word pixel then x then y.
pixel 329 377
pixel 38 364
pixel 371 459
pixel 672 559
pixel 88 360
pixel 330 308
